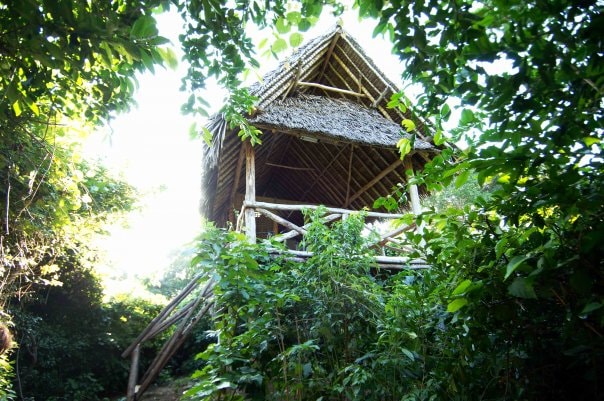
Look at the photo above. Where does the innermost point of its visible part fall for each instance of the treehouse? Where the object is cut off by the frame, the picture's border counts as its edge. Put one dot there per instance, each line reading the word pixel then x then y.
pixel 328 138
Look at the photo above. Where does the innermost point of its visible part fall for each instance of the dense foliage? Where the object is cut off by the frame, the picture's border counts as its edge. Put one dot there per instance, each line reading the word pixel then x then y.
pixel 525 263
pixel 513 307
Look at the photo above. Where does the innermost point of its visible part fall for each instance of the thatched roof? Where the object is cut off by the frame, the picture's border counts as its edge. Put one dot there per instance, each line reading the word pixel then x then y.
pixel 338 119
pixel 320 145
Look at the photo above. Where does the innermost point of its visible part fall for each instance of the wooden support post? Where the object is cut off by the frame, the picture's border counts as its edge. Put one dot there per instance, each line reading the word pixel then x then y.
pixel 236 182
pixel 133 378
pixel 347 202
pixel 413 191
pixel 250 192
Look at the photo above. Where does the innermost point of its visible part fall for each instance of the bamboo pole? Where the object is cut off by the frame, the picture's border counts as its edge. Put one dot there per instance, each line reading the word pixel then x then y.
pixel 280 206
pixel 281 221
pixel 331 88
pixel 166 351
pixel 133 377
pixel 413 191
pixel 166 311
pixel 250 192
pixel 293 233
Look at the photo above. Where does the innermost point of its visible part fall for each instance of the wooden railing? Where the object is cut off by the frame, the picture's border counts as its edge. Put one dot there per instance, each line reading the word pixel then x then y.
pixel 386 240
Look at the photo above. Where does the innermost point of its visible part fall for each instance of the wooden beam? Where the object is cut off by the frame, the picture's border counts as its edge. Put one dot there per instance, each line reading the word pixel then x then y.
pixel 289 167
pixel 332 89
pixel 295 81
pixel 380 98
pixel 371 183
pixel 332 46
pixel 281 220
pixel 276 206
pixel 250 192
pixel 294 233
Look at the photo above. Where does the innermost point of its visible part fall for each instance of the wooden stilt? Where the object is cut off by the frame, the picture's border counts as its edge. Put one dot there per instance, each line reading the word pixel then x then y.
pixel 250 192
pixel 133 378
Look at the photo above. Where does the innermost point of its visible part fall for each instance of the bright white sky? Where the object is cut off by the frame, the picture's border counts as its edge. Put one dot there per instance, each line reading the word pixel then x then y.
pixel 152 148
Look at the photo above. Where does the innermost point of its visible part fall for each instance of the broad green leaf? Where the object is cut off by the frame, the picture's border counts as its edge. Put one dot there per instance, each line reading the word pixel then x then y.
pixel 462 287
pixel 438 137
pixel 168 55
pixel 514 264
pixel 282 26
pixel 144 27
pixel 404 147
pixel 500 247
pixel 279 45
pixel 17 108
pixel 293 17
pixel 462 178
pixel 296 39
pixel 445 112
pixel 591 307
pixel 408 124
pixel 408 353
pixel 590 140
pixel 456 305
pixel 304 25
pixel 467 116
pixel 522 287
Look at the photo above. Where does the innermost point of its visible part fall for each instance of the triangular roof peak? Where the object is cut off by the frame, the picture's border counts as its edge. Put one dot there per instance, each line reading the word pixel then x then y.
pixel 332 65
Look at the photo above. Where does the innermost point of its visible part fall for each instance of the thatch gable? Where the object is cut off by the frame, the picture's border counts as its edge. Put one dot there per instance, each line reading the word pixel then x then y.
pixel 328 136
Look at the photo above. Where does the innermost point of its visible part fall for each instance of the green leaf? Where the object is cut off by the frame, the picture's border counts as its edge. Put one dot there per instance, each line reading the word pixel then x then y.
pixel 408 353
pixel 462 178
pixel 591 307
pixel 445 112
pixel 282 26
pixel 207 136
pixel 438 137
pixel 144 27
pixel 17 108
pixel 467 116
pixel 296 39
pixel 590 140
pixel 462 287
pixel 514 264
pixel 293 17
pixel 522 287
pixel 279 45
pixel 304 25
pixel 456 305
pixel 408 124
pixel 168 55
pixel 500 247
pixel 404 147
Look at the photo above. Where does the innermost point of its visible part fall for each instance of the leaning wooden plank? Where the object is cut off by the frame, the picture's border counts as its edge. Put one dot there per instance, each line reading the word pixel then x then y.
pixel 281 220
pixel 168 322
pixel 166 351
pixel 280 206
pixel 132 379
pixel 165 312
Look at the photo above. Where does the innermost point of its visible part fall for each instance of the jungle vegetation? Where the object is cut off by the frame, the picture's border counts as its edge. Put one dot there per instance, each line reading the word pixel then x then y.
pixel 513 306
